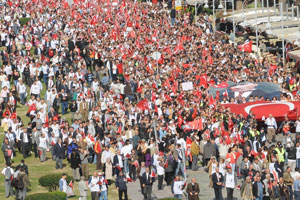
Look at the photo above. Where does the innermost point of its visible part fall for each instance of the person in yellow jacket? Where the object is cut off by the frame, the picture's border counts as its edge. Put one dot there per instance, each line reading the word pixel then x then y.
pixel 195 154
pixel 280 155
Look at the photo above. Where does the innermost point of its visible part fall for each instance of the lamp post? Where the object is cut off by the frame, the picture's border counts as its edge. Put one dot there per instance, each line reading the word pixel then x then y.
pixel 281 18
pixel 256 32
pixel 214 16
pixel 233 22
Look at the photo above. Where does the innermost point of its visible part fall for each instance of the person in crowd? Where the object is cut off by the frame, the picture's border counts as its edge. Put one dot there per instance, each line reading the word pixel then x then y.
pixel 24 166
pixel 230 182
pixel 22 184
pixel 83 188
pixel 193 190
pixel 121 185
pixel 8 172
pixel 103 187
pixel 147 182
pixel 75 164
pixel 59 153
pixel 94 186
pixel 218 182
pixel 178 188
pixel 7 150
pixel 63 185
pixel 160 169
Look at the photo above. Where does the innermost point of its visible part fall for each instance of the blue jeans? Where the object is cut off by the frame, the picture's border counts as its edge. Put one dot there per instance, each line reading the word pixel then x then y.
pixel 180 167
pixel 64 107
pixel 298 163
pixel 103 195
pixel 172 21
pixel 178 196
pixel 23 98
pixel 126 167
pixel 45 79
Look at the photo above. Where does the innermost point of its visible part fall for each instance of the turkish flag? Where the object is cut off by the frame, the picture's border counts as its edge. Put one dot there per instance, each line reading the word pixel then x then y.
pixel 225 94
pixel 246 47
pixel 203 80
pixel 194 125
pixel 143 105
pixel 222 85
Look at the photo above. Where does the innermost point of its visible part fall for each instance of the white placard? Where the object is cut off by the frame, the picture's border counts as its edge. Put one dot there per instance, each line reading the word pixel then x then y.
pixel 187 86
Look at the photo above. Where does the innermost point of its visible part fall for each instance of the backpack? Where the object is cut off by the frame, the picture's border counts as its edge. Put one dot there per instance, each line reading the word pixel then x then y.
pixel 8 174
pixel 20 182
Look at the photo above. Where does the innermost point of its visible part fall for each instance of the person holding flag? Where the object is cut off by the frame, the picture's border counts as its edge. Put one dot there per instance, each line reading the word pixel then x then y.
pixel 178 187
pixel 147 182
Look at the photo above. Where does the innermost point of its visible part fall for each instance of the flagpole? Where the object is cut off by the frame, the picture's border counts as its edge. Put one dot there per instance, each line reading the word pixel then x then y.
pixel 256 31
pixel 281 18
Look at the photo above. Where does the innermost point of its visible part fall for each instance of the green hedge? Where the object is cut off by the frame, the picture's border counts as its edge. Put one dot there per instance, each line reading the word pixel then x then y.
pixel 51 181
pixel 23 21
pixel 47 196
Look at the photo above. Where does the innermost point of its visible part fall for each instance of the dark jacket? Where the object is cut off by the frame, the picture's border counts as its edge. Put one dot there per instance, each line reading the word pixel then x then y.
pixel 121 183
pixel 291 153
pixel 215 180
pixel 190 189
pixel 149 180
pixel 75 160
pixel 59 151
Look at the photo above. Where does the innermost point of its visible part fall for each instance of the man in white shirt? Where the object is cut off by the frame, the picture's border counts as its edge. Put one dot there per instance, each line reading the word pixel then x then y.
pixel 7 172
pixel 35 89
pixel 126 152
pixel 106 154
pixel 271 127
pixel 178 187
pixel 21 88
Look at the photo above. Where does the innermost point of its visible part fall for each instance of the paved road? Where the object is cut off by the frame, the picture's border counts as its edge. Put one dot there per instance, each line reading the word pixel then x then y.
pixel 206 193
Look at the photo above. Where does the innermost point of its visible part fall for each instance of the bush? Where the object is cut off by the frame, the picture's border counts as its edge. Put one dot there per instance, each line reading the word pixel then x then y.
pixel 43 196
pixel 47 196
pixel 168 198
pixel 23 21
pixel 60 195
pixel 51 181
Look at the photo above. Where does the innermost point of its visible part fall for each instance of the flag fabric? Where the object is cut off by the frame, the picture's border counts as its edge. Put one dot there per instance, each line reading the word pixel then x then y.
pixel 272 69
pixel 203 80
pixel 225 94
pixel 211 102
pixel 71 184
pixel 188 152
pixel 222 85
pixel 153 175
pixel 246 47
pixel 143 105
pixel 97 147
pixel 136 163
pixel 193 125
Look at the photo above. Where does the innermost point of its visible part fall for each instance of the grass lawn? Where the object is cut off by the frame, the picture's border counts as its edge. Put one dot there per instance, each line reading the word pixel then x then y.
pixel 38 169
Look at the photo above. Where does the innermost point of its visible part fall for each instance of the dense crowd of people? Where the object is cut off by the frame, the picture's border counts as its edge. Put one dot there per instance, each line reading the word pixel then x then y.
pixel 118 69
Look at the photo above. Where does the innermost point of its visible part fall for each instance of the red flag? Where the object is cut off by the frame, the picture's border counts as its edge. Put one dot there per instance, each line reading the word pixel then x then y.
pixel 194 125
pixel 129 179
pixel 143 105
pixel 195 112
pixel 246 47
pixel 153 175
pixel 155 107
pixel 91 137
pixel 136 163
pixel 272 69
pixel 203 80
pixel 167 97
pixel 225 94
pixel 211 101
pixel 132 34
pixel 217 95
pixel 222 85
pixel 13 115
pixel 120 129
pixel 167 84
pixel 120 68
pixel 71 184
pixel 55 118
